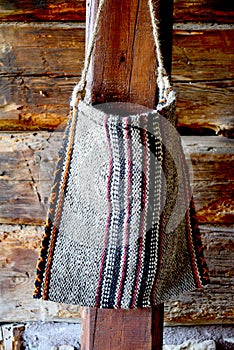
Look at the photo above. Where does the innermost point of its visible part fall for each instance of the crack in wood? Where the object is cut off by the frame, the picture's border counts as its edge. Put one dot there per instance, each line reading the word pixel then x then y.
pixel 133 48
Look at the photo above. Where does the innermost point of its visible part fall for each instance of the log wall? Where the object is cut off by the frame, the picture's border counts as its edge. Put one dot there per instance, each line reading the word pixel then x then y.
pixel 41 56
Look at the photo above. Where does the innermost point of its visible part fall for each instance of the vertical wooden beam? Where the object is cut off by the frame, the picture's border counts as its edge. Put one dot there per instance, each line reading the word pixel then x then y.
pixel 157 327
pixel 124 58
pixel 104 329
pixel 123 69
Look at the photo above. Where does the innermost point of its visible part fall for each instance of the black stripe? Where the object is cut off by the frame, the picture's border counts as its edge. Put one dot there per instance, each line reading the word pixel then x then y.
pixel 141 129
pixel 121 193
pixel 130 203
pixel 150 178
pixel 100 295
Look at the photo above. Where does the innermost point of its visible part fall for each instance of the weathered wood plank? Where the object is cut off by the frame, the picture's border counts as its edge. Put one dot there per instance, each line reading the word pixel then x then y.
pixel 214 11
pixel 214 304
pixel 52 10
pixel 34 103
pixel 40 64
pixel 205 108
pixel 203 55
pixel 97 323
pixel 26 171
pixel 41 49
pixel 19 251
pixel 41 103
pixel 212 160
pixel 26 165
pixel 58 49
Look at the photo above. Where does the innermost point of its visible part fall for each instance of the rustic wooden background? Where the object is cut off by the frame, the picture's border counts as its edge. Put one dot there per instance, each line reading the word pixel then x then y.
pixel 41 55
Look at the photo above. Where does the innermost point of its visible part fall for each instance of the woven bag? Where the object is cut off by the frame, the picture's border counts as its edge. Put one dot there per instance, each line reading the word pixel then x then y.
pixel 121 229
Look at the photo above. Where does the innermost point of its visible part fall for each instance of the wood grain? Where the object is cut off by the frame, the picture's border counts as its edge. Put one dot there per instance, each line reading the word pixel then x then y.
pixel 40 64
pixel 41 103
pixel 214 304
pixel 204 108
pixel 37 10
pixel 211 164
pixel 49 49
pixel 113 329
pixel 214 11
pixel 35 103
pixel 126 73
pixel 26 171
pixel 19 251
pixel 203 55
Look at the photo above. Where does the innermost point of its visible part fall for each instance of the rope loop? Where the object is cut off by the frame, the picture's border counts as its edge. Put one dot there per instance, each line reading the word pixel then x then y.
pixel 163 81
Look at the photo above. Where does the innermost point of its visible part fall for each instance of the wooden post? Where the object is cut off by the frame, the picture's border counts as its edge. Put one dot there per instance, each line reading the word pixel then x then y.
pixel 123 69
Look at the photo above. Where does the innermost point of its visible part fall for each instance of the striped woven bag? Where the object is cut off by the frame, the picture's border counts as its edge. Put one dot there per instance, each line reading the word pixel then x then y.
pixel 121 229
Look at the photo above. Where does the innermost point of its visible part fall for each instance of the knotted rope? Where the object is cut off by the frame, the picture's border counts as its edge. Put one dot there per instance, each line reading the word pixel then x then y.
pixel 162 77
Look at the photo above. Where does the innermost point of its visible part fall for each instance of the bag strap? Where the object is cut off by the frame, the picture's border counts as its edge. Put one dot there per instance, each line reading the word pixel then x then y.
pixel 163 81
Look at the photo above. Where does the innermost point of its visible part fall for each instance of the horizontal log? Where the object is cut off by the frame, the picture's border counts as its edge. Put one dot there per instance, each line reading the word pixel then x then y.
pixel 212 161
pixel 40 64
pixel 58 49
pixel 214 304
pixel 204 108
pixel 35 103
pixel 51 10
pixel 41 103
pixel 58 10
pixel 41 49
pixel 214 11
pixel 19 251
pixel 27 163
pixel 203 55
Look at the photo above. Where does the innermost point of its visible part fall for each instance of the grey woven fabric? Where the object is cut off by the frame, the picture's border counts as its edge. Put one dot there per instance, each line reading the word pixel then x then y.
pixel 121 230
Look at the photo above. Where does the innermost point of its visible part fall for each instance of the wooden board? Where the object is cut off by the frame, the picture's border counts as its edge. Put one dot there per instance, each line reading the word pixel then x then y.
pixel 203 54
pixel 19 251
pixel 59 10
pixel 98 323
pixel 26 171
pixel 123 336
pixel 40 64
pixel 126 73
pixel 204 108
pixel 34 10
pixel 41 103
pixel 52 49
pixel 199 53
pixel 211 161
pixel 214 304
pixel 214 11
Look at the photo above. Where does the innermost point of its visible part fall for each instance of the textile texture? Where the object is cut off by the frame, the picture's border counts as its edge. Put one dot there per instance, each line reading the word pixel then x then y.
pixel 121 229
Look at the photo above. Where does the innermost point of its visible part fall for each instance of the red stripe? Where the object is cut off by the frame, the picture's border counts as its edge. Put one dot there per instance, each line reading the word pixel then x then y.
pixel 126 238
pixel 142 226
pixel 108 217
